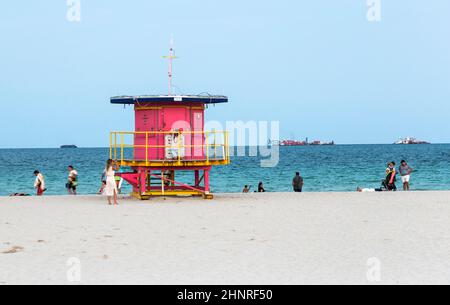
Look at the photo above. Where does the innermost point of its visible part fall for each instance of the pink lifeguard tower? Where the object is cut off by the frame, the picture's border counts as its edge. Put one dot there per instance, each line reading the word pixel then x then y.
pixel 169 141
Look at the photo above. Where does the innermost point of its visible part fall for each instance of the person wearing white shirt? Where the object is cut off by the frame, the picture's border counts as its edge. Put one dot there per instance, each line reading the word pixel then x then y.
pixel 110 190
pixel 72 182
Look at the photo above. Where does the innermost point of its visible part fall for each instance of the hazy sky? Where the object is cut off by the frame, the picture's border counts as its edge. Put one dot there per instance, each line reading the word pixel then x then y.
pixel 319 66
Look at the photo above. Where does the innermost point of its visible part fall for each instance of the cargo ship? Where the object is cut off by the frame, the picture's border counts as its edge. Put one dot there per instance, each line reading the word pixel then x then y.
pixel 300 143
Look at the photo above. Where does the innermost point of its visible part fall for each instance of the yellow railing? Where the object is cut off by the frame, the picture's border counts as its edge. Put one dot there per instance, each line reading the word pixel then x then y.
pixel 203 146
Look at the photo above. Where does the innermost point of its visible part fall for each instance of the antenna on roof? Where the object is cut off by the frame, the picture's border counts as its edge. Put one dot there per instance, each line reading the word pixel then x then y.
pixel 171 57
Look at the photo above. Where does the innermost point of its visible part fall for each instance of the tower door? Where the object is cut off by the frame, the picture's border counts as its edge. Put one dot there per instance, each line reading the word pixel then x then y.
pixel 147 121
pixel 198 139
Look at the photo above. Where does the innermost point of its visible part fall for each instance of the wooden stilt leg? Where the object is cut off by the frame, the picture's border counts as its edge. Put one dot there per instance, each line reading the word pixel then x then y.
pixel 197 178
pixel 143 182
pixel 207 187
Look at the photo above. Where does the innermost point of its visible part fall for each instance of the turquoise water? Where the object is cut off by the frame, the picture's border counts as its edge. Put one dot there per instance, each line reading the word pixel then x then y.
pixel 325 169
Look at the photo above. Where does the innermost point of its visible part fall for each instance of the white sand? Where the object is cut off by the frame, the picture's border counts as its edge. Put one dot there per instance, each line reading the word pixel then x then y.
pixel 235 239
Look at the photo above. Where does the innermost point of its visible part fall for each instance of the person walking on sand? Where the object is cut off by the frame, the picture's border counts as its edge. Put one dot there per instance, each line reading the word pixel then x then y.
pixel 72 181
pixel 297 183
pixel 405 172
pixel 391 174
pixel 39 183
pixel 111 186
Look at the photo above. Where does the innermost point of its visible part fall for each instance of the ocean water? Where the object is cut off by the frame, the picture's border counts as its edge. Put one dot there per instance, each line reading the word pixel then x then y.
pixel 324 168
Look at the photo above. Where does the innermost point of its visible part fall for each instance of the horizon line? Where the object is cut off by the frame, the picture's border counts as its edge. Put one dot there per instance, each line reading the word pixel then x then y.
pixel 234 146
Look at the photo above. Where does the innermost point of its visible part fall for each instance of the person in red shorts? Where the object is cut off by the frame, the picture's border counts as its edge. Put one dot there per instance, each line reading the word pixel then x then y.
pixel 39 183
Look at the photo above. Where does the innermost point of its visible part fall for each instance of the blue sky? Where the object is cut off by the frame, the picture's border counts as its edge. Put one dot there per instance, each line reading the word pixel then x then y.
pixel 319 67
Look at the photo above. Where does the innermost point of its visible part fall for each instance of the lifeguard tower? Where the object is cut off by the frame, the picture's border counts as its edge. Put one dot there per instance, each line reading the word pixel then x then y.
pixel 169 142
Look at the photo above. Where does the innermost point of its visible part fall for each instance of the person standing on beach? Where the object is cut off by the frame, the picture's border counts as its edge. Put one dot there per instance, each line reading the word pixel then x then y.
pixel 111 186
pixel 261 188
pixel 72 181
pixel 297 183
pixel 391 174
pixel 405 173
pixel 39 183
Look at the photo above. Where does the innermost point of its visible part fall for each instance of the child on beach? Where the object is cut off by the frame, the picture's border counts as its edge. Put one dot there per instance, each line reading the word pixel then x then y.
pixel 119 182
pixel 111 186
pixel 39 183
pixel 405 173
pixel 72 181
pixel 103 180
pixel 246 189
pixel 102 188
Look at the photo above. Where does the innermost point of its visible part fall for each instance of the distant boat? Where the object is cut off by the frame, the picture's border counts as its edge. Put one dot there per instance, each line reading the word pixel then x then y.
pixel 293 143
pixel 300 143
pixel 410 141
pixel 320 143
pixel 68 146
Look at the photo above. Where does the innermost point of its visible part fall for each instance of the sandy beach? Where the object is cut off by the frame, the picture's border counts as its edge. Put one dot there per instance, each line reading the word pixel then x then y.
pixel 310 238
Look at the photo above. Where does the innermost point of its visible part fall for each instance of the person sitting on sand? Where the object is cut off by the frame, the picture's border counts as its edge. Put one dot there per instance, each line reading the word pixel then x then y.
pixel 72 181
pixel 368 190
pixel 297 183
pixel 391 174
pixel 405 172
pixel 39 183
pixel 261 188
pixel 246 189
pixel 383 188
pixel 111 185
pixel 19 195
